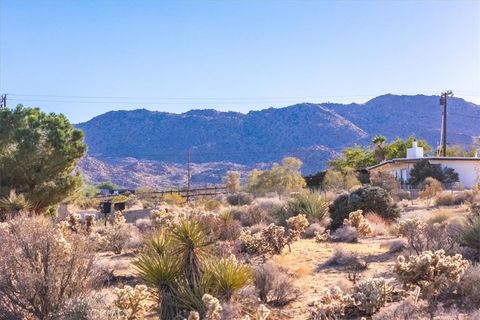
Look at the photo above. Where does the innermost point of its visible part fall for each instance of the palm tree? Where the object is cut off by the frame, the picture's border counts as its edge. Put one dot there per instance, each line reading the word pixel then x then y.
pixel 379 142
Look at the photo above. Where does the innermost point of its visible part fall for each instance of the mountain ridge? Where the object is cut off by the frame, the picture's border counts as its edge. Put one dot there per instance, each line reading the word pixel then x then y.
pixel 312 132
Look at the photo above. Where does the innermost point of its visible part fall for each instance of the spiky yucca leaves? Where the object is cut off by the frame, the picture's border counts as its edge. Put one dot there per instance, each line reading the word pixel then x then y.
pixel 189 242
pixel 227 276
pixel 13 205
pixel 470 232
pixel 161 272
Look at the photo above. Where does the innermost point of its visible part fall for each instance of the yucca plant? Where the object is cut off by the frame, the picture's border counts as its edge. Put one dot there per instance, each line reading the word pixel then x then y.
pixel 189 243
pixel 310 204
pixel 159 244
pixel 161 272
pixel 13 205
pixel 470 232
pixel 227 276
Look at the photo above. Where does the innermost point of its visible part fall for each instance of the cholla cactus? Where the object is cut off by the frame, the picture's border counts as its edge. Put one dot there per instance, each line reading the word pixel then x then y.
pixel 133 302
pixel 193 315
pixel 262 312
pixel 431 271
pixel 118 220
pixel 372 294
pixel 274 239
pixel 164 218
pixel 357 220
pixel 332 304
pixel 213 307
pixel 296 226
pixel 89 223
pixel 323 237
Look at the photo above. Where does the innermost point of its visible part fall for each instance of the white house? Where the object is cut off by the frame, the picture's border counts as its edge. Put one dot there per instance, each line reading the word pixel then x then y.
pixel 468 168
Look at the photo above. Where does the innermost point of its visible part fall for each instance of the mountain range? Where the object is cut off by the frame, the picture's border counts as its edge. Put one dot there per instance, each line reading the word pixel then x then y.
pixel 150 148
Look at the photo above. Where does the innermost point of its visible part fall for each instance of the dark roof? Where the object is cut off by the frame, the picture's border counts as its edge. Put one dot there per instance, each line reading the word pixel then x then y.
pixel 424 158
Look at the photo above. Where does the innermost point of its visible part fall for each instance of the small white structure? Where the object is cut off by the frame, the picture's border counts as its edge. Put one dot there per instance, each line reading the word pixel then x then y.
pixel 468 168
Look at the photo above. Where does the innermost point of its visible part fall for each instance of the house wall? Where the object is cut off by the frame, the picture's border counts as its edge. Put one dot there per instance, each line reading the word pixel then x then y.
pixel 468 171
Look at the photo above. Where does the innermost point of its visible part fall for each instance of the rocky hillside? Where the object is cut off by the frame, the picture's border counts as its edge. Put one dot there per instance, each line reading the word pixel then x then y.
pixel 142 147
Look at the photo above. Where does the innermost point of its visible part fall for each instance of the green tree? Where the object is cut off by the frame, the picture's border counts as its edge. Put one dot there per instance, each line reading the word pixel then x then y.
pixel 398 147
pixel 107 185
pixel 38 156
pixel 424 169
pixel 355 157
pixel 282 178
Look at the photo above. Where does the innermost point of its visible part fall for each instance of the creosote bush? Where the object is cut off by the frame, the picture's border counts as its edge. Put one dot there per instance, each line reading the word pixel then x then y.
pixel 367 199
pixel 274 286
pixel 239 199
pixel 42 268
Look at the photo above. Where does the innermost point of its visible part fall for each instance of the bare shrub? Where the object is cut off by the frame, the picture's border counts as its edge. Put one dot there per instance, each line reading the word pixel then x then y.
pixel 345 234
pixel 42 268
pixel 144 225
pixel 379 225
pixel 239 199
pixel 440 216
pixel 397 245
pixel 346 259
pixel 386 181
pixel 312 230
pixel 274 286
pixel 407 309
pixel 430 188
pixel 445 198
pixel 469 288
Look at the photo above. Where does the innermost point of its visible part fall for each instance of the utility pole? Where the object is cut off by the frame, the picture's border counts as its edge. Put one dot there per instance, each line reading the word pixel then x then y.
pixel 3 101
pixel 189 174
pixel 443 101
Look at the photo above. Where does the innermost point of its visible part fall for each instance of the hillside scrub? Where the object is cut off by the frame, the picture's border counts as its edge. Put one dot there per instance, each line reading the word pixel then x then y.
pixel 367 199
pixel 43 268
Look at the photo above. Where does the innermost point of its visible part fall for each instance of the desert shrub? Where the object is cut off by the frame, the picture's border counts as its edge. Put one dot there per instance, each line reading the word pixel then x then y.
pixel 430 188
pixel 359 222
pixel 144 224
pixel 470 233
pixel 345 259
pixel 227 276
pixel 239 199
pixel 42 268
pixel 340 180
pixel 332 304
pixel 445 198
pixel 116 234
pixel 312 230
pixel 407 309
pixel 372 294
pixel 469 289
pixel 164 218
pixel 367 199
pixel 386 181
pixel 133 302
pixel 378 224
pixel 397 245
pixel 13 205
pixel 345 234
pixel 433 272
pixel 423 236
pixel 174 198
pixel 274 286
pixel 310 204
pixel 254 214
pixel 440 216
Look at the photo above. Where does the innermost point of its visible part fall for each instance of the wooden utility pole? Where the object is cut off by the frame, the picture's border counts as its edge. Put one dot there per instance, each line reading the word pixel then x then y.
pixel 189 174
pixel 443 101
pixel 3 101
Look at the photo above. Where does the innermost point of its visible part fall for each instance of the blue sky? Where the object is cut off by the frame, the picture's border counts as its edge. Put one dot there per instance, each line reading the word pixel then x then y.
pixel 83 58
